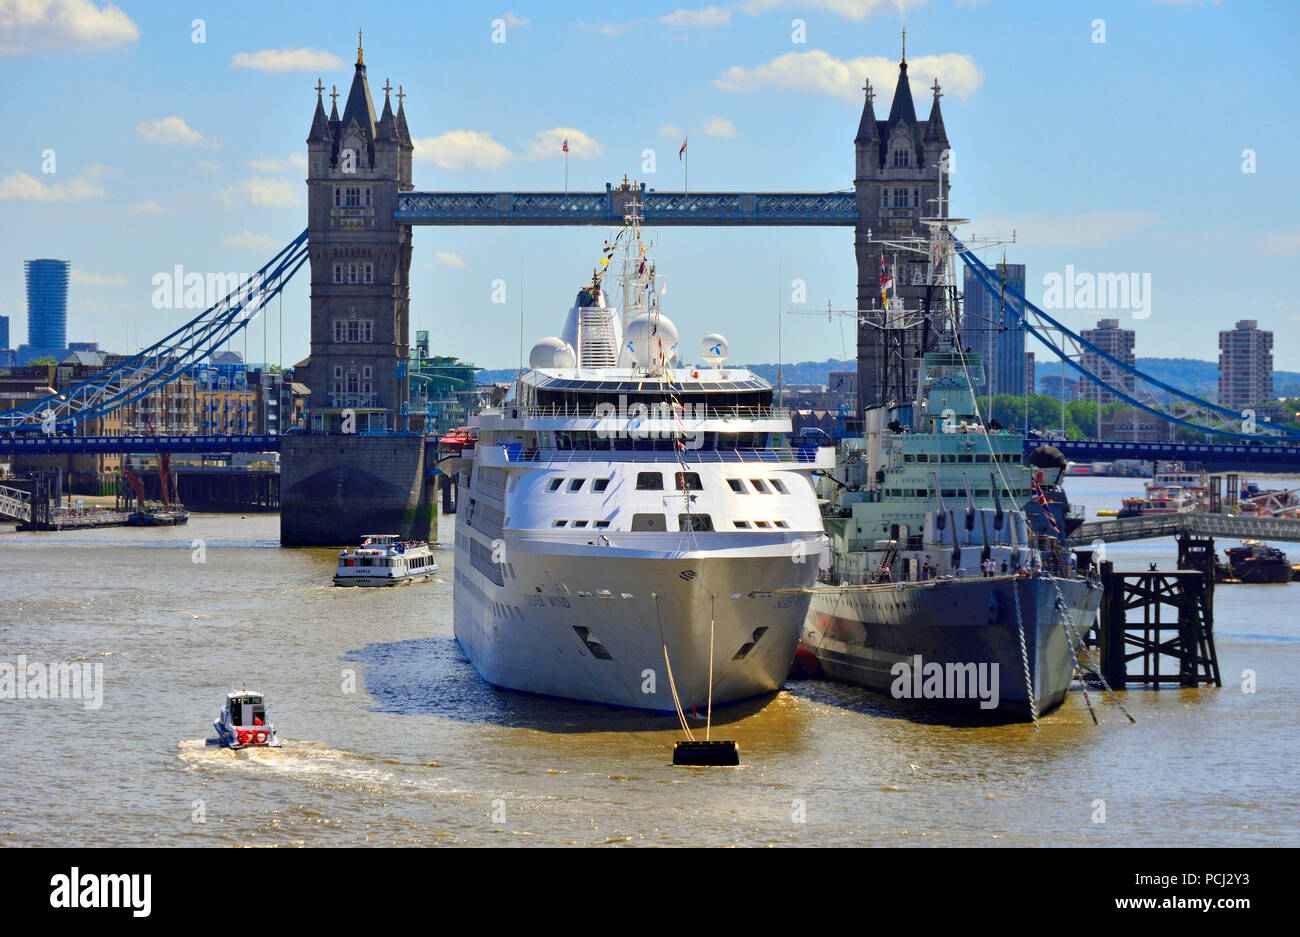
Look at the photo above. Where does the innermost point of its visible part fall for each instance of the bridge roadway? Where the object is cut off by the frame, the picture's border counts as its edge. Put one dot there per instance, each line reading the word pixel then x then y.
pixel 1254 453
pixel 815 209
pixel 1227 526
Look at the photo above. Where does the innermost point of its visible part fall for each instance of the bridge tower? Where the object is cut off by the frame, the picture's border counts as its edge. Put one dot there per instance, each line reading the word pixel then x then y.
pixel 357 472
pixel 901 176
pixel 360 260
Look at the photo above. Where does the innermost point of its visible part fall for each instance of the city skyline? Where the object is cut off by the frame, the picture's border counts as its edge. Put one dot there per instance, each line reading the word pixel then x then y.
pixel 173 152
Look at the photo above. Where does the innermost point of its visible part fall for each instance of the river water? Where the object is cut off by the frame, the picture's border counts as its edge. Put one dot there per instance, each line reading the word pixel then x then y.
pixel 391 738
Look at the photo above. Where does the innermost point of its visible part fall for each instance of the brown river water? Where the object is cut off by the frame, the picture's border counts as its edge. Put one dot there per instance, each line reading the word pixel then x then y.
pixel 391 738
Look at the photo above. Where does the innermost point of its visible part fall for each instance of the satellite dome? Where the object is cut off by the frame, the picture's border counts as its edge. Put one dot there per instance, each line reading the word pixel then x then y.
pixel 644 337
pixel 551 353
pixel 713 350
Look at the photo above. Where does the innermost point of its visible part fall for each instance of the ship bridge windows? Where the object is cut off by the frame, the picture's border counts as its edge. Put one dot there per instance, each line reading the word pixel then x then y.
pixel 780 486
pixel 696 522
pixel 555 484
pixel 744 525
pixel 649 481
pixel 689 481
pixel 981 457
pixel 576 484
pixel 599 484
pixel 737 485
pixel 964 457
pixel 760 486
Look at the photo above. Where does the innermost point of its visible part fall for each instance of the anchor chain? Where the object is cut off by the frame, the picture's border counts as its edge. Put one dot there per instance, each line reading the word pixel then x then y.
pixel 1024 655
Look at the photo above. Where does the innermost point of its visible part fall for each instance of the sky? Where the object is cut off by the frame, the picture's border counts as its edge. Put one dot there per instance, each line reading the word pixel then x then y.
pixel 1131 136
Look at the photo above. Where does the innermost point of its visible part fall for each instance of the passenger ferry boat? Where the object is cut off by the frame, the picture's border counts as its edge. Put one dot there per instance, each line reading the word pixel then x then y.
pixel 385 560
pixel 626 521
pixel 1172 490
pixel 243 722
pixel 948 580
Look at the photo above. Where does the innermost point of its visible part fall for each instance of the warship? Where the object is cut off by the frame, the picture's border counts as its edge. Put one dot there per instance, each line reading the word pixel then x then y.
pixel 947 577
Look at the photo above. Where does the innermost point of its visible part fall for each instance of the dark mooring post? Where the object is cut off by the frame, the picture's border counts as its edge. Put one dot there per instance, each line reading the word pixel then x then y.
pixel 1110 628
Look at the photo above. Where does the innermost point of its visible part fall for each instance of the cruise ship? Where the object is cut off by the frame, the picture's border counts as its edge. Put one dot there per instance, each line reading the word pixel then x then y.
pixel 632 530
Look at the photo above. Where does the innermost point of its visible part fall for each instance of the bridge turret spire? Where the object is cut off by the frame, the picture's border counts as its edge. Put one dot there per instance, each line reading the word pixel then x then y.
pixel 387 129
pixel 934 130
pixel 867 131
pixel 320 127
pixel 359 106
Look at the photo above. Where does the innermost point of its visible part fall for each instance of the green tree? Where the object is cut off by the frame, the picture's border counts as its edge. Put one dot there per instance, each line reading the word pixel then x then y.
pixel 43 360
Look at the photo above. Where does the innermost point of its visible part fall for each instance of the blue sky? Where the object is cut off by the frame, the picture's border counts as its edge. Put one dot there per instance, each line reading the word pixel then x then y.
pixel 1116 156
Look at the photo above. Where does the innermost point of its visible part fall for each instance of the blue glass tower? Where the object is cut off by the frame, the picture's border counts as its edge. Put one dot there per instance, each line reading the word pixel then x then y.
pixel 47 307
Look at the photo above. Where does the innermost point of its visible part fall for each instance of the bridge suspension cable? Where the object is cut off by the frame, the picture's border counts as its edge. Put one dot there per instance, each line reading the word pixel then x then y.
pixel 1212 417
pixel 166 360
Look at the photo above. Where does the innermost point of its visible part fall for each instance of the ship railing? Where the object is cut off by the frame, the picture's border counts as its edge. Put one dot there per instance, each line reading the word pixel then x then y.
pixel 811 456
pixel 652 411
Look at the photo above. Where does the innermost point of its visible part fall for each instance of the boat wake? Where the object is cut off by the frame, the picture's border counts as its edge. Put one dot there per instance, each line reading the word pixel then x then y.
pixel 313 763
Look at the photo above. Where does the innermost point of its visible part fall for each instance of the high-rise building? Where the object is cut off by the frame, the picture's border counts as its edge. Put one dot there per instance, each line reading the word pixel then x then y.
pixel 4 333
pixel 901 176
pixel 1031 380
pixel 47 307
pixel 1119 344
pixel 995 332
pixel 1245 365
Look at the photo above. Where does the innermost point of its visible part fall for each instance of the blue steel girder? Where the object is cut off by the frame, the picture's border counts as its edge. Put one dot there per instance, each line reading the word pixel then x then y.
pixel 608 208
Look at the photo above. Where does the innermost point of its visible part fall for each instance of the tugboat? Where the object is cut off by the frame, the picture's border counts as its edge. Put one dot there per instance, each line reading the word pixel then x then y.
pixel 243 723
pixel 385 560
pixel 1254 563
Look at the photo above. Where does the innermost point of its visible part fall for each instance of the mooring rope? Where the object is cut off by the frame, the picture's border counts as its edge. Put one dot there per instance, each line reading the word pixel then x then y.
pixel 677 703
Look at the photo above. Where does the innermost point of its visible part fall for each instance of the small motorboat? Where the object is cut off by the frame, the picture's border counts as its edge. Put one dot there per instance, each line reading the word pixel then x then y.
pixel 243 722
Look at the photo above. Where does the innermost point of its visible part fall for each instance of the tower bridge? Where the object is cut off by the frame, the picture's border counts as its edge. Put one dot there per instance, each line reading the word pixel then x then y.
pixel 357 469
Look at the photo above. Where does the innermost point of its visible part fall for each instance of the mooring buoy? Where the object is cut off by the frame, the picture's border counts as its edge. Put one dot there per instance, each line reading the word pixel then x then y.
pixel 701 754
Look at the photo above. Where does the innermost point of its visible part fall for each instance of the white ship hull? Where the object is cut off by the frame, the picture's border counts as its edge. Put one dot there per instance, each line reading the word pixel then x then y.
pixel 562 626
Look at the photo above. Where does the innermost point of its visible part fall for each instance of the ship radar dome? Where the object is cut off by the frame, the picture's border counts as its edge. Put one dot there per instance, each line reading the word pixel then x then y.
pixel 713 350
pixel 552 352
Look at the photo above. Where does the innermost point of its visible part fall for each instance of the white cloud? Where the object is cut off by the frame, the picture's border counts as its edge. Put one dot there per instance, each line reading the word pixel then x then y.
pixel 856 10
pixel 97 279
pixel 445 259
pixel 458 149
pixel 279 165
pixel 819 72
pixel 608 29
pixel 262 190
pixel 717 127
pixel 1059 231
pixel 1279 243
pixel 146 206
pixel 172 130
pixel 29 25
pixel 24 188
pixel 697 19
pixel 253 241
pixel 287 60
pixel 512 20
pixel 546 144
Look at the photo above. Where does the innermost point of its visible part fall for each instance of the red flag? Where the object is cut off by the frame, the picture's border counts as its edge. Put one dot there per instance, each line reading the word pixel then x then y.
pixel 566 145
pixel 886 281
pixel 682 150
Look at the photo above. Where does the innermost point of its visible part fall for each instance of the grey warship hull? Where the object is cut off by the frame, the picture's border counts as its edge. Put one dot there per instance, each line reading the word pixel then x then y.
pixel 890 637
